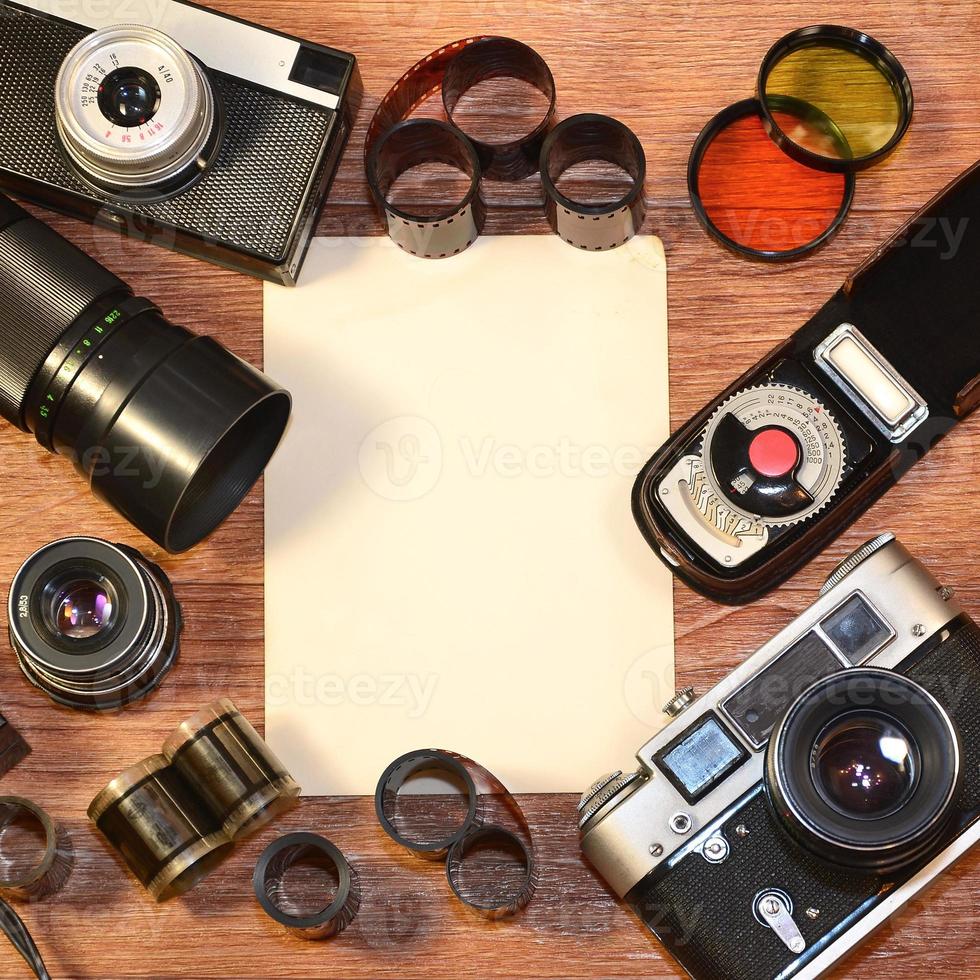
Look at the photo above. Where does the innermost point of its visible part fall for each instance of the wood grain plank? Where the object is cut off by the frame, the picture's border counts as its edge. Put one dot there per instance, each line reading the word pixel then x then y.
pixel 665 68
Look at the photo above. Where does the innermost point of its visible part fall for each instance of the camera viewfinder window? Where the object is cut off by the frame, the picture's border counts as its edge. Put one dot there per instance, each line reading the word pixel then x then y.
pixel 856 630
pixel 700 758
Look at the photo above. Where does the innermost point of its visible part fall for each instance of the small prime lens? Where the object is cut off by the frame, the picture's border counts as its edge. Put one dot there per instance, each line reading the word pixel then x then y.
pixel 167 427
pixel 94 625
pixel 129 97
pixel 864 769
pixel 155 87
pixel 864 765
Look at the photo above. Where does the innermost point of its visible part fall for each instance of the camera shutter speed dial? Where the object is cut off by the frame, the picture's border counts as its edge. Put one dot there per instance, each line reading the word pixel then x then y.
pixel 774 454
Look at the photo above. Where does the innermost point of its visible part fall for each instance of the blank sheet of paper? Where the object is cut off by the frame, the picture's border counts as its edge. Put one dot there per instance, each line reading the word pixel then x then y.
pixel 451 560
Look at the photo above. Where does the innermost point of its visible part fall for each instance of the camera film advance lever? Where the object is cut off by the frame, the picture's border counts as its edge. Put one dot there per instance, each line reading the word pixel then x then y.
pixel 758 482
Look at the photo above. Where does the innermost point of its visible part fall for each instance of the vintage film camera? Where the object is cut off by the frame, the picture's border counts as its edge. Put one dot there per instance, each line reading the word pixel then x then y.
pixel 175 124
pixel 793 808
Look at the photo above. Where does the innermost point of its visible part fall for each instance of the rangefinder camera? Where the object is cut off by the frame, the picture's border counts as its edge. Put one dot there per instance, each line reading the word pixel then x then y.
pixel 780 818
pixel 177 125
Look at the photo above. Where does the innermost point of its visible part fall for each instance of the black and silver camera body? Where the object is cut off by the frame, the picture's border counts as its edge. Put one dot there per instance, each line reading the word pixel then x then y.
pixel 780 818
pixel 175 124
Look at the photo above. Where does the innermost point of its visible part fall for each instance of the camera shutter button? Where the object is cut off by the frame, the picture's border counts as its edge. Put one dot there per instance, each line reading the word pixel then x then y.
pixel 774 453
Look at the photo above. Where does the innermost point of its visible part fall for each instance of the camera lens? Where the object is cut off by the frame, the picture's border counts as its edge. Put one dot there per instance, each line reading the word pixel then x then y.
pixel 864 766
pixel 82 610
pixel 159 90
pixel 169 428
pixel 864 769
pixel 129 97
pixel 94 625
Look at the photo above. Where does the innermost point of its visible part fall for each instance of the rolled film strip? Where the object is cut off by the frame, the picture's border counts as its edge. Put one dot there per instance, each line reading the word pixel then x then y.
pixel 396 144
pixel 585 138
pixel 501 57
pixel 333 913
pixel 425 78
pixel 161 827
pixel 493 826
pixel 20 938
pixel 31 877
pixel 235 773
pixel 174 817
pixel 410 144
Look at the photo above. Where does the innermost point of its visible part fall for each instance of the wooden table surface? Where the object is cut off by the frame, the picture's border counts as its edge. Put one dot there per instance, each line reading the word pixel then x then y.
pixel 665 67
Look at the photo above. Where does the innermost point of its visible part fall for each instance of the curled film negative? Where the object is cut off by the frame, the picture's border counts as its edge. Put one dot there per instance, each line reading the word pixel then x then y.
pixel 29 874
pixel 396 144
pixel 322 915
pixel 584 138
pixel 409 144
pixel 174 817
pixel 465 816
pixel 501 57
pixel 164 831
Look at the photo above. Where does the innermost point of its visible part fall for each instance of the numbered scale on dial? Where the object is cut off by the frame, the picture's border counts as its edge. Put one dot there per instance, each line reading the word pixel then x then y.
pixel 770 457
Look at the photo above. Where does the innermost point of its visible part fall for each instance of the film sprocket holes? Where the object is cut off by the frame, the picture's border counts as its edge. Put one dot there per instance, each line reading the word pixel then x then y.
pixel 182 126
pixel 781 817
pixel 760 480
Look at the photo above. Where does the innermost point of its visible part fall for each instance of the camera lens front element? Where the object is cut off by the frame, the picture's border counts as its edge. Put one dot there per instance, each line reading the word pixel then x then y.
pixel 136 114
pixel 865 765
pixel 129 97
pixel 864 769
pixel 82 609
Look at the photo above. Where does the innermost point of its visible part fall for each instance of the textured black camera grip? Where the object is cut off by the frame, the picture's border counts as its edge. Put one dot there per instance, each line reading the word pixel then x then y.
pixel 45 285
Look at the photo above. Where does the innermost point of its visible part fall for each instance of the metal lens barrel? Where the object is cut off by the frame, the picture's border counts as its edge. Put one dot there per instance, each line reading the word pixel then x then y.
pixel 94 625
pixel 169 428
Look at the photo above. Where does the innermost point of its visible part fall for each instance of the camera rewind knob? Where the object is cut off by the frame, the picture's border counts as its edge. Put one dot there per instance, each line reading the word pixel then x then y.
pixel 679 703
pixel 851 562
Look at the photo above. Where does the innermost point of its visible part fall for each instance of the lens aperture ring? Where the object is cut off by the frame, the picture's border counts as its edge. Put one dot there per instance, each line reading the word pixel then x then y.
pixel 68 359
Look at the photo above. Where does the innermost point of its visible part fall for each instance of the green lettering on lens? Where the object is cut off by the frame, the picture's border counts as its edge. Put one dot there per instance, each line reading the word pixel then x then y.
pixel 113 316
pixel 100 330
pixel 45 411
pixel 50 397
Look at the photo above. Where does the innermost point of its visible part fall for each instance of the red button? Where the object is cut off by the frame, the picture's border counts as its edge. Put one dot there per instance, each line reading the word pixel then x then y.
pixel 774 453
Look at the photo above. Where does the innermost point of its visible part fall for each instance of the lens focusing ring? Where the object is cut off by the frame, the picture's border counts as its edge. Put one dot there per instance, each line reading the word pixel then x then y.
pixel 165 153
pixel 898 837
pixel 107 670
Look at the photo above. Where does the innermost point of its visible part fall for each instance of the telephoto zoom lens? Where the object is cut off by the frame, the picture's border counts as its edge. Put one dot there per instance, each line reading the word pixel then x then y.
pixel 169 428
pixel 94 625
